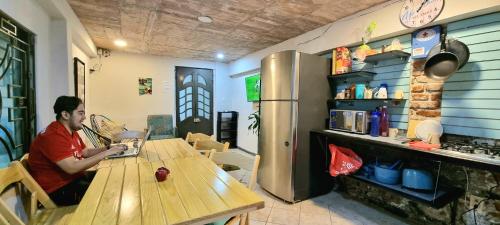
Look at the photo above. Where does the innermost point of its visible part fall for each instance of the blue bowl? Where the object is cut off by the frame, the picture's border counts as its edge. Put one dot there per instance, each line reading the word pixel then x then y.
pixel 387 176
pixel 418 179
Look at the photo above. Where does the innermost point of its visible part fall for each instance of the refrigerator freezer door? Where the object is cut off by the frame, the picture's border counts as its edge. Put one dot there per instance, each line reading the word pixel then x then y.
pixel 278 76
pixel 276 148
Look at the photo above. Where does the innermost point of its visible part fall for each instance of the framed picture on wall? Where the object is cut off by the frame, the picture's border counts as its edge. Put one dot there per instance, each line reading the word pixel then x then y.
pixel 79 72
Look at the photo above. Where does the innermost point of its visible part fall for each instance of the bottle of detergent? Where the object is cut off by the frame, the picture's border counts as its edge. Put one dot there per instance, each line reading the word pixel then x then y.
pixel 375 123
pixel 384 122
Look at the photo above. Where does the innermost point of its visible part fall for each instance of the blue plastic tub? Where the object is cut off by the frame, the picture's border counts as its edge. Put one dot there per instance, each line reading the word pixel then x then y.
pixel 387 176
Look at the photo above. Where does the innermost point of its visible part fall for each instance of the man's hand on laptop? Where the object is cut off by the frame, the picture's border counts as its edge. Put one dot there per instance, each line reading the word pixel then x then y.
pixel 115 149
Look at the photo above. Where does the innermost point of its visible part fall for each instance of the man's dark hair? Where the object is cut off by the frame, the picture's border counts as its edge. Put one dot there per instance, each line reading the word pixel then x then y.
pixel 66 103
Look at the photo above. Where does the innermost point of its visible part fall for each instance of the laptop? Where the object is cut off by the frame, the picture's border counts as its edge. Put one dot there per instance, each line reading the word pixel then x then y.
pixel 132 147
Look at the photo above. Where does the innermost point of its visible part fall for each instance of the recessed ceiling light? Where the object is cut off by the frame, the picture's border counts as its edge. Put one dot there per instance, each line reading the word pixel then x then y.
pixel 220 55
pixel 205 19
pixel 120 43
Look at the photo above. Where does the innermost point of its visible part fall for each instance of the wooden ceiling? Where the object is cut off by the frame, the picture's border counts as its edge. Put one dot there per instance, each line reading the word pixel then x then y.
pixel 239 27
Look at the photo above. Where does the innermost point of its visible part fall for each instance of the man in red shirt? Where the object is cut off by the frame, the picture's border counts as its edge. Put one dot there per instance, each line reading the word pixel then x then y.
pixel 58 156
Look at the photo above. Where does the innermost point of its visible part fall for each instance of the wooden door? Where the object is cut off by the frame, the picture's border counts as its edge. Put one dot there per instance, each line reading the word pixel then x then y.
pixel 17 90
pixel 194 100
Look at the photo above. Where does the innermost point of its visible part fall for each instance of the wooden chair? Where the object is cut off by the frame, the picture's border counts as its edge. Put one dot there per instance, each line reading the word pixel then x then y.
pixel 234 158
pixel 192 137
pixel 51 214
pixel 205 146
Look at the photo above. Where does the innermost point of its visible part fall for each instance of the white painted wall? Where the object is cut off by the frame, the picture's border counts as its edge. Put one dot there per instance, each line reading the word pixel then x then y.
pixel 115 87
pixel 246 139
pixel 347 31
pixel 77 52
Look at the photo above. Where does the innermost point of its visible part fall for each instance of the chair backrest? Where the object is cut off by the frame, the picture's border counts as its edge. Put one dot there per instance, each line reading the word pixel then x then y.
pixel 237 159
pixel 95 138
pixel 211 144
pixel 97 122
pixel 192 137
pixel 161 124
pixel 16 173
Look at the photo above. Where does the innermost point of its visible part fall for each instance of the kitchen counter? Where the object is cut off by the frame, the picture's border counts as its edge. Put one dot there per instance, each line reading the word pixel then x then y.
pixel 472 160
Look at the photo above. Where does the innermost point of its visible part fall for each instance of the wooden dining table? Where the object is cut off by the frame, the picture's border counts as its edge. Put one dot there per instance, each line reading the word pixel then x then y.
pixel 197 191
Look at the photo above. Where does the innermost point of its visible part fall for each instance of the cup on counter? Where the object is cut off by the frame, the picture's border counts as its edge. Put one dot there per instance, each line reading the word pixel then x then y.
pixel 360 90
pixel 393 132
pixel 399 94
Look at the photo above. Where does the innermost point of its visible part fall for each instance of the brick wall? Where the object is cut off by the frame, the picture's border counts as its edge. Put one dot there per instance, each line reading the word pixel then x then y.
pixel 425 94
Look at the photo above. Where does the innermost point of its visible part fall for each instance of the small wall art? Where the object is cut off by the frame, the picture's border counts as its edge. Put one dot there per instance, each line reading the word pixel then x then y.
pixel 145 86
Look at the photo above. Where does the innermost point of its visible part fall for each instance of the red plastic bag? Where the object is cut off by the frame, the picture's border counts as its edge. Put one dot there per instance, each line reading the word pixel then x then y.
pixel 344 161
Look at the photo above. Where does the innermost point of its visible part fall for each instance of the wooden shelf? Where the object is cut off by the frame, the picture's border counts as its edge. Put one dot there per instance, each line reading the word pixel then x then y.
pixel 332 102
pixel 364 74
pixel 228 130
pixel 386 55
pixel 367 100
pixel 442 197
pixel 227 127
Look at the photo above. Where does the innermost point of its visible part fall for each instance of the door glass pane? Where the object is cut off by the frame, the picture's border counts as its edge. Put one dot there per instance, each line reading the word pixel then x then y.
pixel 207 115
pixel 182 116
pixel 189 98
pixel 207 108
pixel 182 108
pixel 200 112
pixel 182 93
pixel 188 79
pixel 189 90
pixel 182 101
pixel 189 113
pixel 207 94
pixel 201 80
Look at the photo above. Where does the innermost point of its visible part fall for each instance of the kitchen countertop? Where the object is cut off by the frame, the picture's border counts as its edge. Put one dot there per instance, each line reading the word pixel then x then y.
pixel 484 159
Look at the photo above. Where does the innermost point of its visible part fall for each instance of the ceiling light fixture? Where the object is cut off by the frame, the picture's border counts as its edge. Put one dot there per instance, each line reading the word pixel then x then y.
pixel 205 19
pixel 220 55
pixel 120 43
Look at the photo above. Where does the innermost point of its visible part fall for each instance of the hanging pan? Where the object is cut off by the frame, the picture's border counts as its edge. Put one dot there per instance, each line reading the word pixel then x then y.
pixel 442 65
pixel 456 47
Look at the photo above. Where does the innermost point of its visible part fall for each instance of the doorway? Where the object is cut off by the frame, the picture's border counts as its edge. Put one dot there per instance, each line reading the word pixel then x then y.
pixel 194 100
pixel 17 90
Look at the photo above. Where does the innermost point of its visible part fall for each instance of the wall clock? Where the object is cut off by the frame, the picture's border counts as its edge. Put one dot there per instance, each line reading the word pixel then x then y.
pixel 416 13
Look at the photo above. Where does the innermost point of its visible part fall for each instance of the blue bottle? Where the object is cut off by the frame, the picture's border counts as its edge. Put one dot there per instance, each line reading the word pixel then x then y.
pixel 375 124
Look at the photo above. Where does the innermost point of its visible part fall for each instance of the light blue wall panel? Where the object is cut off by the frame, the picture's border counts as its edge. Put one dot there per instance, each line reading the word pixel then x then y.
pixel 471 98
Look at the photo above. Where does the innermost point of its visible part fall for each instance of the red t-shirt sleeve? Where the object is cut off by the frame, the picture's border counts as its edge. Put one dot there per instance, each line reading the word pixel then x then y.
pixel 57 148
pixel 81 142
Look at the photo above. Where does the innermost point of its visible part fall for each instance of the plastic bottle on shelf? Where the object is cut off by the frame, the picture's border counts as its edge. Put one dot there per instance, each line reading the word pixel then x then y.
pixel 384 122
pixel 375 123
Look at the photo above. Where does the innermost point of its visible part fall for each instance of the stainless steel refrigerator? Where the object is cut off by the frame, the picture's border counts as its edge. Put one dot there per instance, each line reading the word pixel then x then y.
pixel 294 92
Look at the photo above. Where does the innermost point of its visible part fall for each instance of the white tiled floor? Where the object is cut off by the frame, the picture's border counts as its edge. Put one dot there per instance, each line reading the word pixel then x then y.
pixel 329 209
